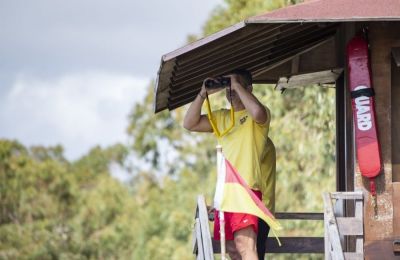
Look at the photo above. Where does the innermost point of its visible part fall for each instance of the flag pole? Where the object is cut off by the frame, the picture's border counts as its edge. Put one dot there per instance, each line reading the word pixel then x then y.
pixel 221 213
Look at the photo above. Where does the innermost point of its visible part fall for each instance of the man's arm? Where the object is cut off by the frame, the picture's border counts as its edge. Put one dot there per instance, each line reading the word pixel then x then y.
pixel 256 110
pixel 194 120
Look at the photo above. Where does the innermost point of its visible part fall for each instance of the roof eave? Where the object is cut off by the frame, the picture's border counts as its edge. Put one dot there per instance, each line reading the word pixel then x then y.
pixel 321 20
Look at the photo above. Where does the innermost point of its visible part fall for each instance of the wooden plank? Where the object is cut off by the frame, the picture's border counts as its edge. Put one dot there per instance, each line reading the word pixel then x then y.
pixel 344 122
pixel 258 38
pixel 359 209
pixel 396 56
pixel 295 65
pixel 333 231
pixel 353 256
pixel 300 245
pixel 194 237
pixel 340 99
pixel 349 226
pixel 352 195
pixel 301 80
pixel 277 54
pixel 396 210
pixel 259 52
pixel 205 229
pixel 338 211
pixel 188 92
pixel 378 221
pixel 299 216
pixel 326 54
pixel 395 97
pixel 200 247
pixel 359 214
pixel 349 31
pixel 327 245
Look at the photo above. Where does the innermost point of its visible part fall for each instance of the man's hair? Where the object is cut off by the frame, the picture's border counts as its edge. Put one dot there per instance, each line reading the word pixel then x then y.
pixel 245 75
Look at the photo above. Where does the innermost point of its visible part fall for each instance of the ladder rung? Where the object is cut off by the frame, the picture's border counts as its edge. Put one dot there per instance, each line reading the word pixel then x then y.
pixel 355 195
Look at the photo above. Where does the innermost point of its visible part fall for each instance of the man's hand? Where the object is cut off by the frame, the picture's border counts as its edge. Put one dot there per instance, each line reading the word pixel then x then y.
pixel 194 120
pixel 211 213
pixel 256 110
pixel 211 91
pixel 236 82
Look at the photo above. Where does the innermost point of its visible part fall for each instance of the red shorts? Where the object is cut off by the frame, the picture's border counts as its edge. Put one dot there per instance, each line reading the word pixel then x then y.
pixel 235 221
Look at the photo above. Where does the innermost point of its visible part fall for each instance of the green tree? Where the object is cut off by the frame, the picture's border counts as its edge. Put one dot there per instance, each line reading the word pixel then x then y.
pixel 54 209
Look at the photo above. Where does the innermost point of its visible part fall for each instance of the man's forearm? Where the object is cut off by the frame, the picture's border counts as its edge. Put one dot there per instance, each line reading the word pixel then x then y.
pixel 256 110
pixel 193 115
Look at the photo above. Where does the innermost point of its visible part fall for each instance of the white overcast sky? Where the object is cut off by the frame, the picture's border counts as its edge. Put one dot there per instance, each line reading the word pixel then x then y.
pixel 70 71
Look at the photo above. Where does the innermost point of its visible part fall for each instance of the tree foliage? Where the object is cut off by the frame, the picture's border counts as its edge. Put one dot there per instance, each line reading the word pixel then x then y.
pixel 55 209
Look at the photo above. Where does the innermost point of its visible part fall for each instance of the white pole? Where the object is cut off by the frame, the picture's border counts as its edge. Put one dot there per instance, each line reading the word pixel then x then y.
pixel 221 213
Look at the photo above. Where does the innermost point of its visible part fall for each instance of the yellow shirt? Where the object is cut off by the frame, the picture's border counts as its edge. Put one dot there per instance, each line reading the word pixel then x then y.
pixel 248 148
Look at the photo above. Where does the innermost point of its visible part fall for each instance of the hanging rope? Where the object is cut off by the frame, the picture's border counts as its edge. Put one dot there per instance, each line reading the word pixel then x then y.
pixel 212 120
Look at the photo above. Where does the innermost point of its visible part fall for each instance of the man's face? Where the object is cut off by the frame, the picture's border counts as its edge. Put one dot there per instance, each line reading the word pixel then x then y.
pixel 232 95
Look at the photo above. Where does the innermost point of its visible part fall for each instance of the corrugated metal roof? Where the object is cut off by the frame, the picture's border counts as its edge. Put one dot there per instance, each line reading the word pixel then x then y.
pixel 335 10
pixel 264 45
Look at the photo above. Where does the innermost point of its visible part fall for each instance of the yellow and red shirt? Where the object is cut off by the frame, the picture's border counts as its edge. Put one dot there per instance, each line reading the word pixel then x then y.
pixel 247 147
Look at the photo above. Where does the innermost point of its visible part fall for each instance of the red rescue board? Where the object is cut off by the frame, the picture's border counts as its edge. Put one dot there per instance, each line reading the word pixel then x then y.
pixel 366 138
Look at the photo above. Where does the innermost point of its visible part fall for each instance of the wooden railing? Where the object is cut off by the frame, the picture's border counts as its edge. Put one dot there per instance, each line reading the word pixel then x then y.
pixel 203 249
pixel 202 244
pixel 336 227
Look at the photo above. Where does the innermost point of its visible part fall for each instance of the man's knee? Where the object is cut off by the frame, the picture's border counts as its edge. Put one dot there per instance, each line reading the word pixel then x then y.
pixel 245 241
pixel 231 249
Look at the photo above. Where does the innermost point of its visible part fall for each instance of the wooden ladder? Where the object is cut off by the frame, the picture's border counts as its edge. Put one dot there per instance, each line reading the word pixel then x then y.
pixel 337 227
pixel 202 244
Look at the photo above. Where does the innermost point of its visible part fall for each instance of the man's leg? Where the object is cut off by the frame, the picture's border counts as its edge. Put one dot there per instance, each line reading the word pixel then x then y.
pixel 263 230
pixel 245 242
pixel 231 249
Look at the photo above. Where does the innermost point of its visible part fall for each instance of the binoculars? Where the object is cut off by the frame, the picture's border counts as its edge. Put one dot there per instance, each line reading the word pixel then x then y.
pixel 219 82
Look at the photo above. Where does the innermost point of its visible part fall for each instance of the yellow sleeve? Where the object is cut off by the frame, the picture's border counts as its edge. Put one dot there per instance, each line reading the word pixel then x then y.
pixel 264 128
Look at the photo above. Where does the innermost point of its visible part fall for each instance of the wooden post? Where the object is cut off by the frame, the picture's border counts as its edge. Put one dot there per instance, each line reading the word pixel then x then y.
pixel 333 232
pixel 200 249
pixel 326 240
pixel 205 229
pixel 221 213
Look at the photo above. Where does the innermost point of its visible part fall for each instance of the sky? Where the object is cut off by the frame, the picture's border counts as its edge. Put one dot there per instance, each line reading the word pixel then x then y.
pixel 71 71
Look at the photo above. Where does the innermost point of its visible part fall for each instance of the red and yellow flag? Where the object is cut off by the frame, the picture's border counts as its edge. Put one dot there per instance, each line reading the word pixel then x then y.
pixel 234 195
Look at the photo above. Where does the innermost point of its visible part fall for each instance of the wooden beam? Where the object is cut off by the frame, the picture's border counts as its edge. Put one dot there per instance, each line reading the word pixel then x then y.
pixel 395 109
pixel 353 256
pixel 199 241
pixel 309 78
pixel 299 216
pixel 378 221
pixel 396 56
pixel 295 64
pixel 300 245
pixel 350 226
pixel 396 210
pixel 347 195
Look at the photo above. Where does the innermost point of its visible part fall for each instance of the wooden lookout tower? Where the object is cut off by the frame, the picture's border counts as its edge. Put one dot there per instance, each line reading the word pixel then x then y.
pixel 302 45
